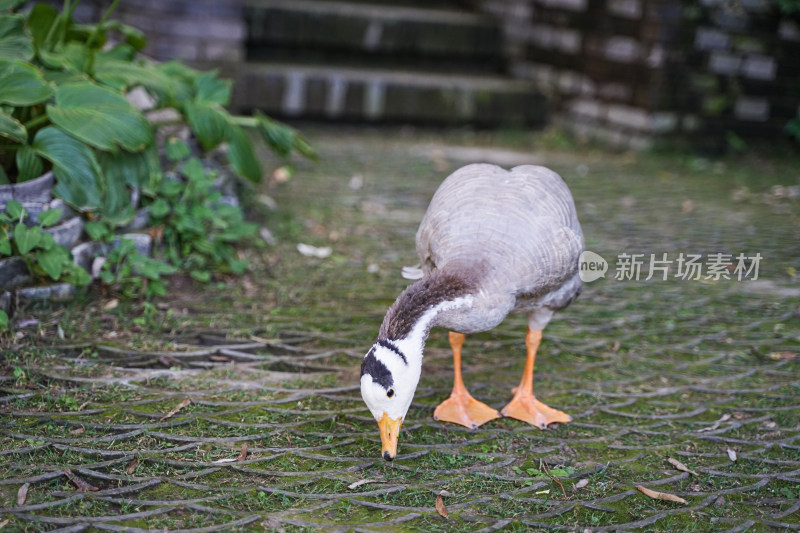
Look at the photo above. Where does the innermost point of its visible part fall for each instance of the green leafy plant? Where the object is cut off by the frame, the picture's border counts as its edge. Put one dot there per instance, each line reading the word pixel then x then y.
pixel 125 268
pixel 198 230
pixel 135 273
pixel 63 106
pixel 44 257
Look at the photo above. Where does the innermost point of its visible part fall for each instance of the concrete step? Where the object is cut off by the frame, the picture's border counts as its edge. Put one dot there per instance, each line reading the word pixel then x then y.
pixel 379 35
pixel 387 96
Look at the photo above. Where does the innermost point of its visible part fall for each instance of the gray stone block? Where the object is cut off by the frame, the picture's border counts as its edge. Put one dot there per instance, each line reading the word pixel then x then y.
pixel 569 5
pixel 789 30
pixel 631 9
pixel 759 67
pixel 35 190
pixel 751 109
pixel 622 49
pixel 724 63
pixel 711 39
pixel 629 117
pixel 13 272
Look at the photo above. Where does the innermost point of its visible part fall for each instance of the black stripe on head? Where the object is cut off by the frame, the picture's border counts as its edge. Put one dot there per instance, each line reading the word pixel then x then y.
pixel 389 345
pixel 376 370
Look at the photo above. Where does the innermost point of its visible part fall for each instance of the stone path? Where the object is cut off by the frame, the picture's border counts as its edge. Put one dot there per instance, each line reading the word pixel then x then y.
pixel 241 408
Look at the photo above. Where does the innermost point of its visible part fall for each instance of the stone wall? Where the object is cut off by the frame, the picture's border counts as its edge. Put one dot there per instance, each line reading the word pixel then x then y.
pixel 628 71
pixel 202 32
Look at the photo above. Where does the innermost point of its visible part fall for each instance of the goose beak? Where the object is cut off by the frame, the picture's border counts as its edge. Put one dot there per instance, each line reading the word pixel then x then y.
pixel 390 430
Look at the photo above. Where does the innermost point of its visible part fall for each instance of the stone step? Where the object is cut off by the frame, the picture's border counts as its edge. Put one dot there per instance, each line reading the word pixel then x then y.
pixel 466 5
pixel 380 35
pixel 387 96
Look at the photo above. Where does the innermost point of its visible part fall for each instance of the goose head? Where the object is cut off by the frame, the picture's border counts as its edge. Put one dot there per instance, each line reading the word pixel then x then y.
pixel 389 376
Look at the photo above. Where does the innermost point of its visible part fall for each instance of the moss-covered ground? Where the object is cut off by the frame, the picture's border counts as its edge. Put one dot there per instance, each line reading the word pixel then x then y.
pixel 235 405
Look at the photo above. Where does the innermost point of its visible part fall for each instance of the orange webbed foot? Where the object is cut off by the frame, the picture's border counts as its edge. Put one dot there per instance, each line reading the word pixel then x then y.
pixel 463 409
pixel 527 408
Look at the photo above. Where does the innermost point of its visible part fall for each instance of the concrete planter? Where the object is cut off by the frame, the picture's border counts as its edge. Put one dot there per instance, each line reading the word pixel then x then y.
pixel 67 233
pixel 13 272
pixel 36 190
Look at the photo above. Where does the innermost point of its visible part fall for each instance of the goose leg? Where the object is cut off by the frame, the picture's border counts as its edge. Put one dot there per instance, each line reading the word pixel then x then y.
pixel 524 406
pixel 461 407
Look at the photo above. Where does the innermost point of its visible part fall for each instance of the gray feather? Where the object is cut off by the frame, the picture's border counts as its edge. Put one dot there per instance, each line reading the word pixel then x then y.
pixel 516 231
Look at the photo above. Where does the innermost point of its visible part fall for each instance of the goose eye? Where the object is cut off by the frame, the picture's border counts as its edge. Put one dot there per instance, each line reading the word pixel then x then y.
pixel 390 393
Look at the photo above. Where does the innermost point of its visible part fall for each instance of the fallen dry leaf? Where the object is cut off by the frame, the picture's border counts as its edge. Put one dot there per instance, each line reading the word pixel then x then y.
pixel 22 494
pixel 360 482
pixel 314 251
pixel 440 508
pixel 680 466
pixel 131 468
pixel 723 418
pixel 4 523
pixel 580 484
pixel 731 455
pixel 172 413
pixel 111 304
pixel 243 453
pixel 782 356
pixel 656 495
pixel 76 431
pixel 81 484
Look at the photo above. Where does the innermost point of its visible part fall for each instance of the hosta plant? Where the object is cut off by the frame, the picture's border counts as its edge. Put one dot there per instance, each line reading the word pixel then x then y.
pixel 63 105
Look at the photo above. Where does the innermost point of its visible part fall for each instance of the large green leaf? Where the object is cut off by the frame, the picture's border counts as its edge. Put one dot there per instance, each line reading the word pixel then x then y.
pixel 14 42
pixel 12 129
pixel 123 75
pixel 79 178
pixel 282 139
pixel 278 136
pixel 73 56
pixel 241 155
pixel 100 117
pixel 29 164
pixel 62 77
pixel 121 170
pixel 209 88
pixel 209 122
pixel 40 20
pixel 22 84
pixel 181 87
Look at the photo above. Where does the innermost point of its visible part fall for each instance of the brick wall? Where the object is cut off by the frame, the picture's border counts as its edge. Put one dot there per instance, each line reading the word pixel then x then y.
pixel 629 71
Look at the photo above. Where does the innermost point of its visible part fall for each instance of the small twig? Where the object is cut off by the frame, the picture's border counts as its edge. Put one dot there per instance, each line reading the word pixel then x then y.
pixel 551 476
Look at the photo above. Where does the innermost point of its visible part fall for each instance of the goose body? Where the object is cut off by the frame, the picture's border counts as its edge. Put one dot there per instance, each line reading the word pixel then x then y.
pixel 491 242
